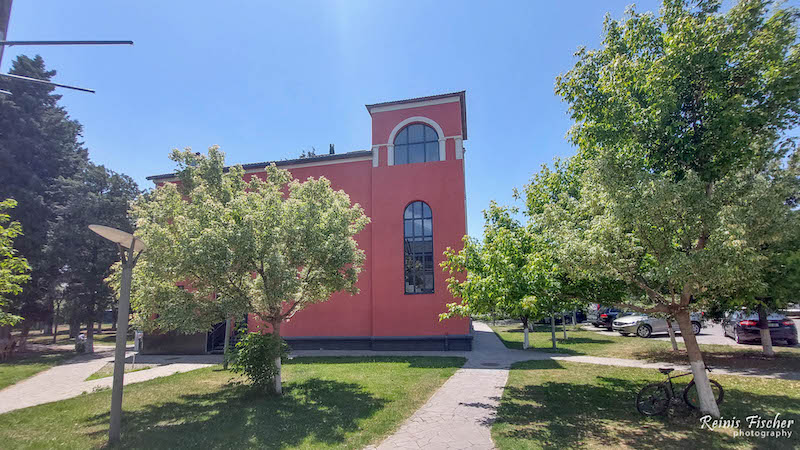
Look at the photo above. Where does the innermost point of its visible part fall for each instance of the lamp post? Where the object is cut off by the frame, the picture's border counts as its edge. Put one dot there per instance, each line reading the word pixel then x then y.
pixel 130 247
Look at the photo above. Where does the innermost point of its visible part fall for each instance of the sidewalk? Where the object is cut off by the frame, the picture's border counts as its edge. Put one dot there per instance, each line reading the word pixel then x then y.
pixel 67 380
pixel 460 414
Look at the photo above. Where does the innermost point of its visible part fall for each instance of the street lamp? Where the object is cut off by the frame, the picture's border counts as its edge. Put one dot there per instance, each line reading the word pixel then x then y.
pixel 130 247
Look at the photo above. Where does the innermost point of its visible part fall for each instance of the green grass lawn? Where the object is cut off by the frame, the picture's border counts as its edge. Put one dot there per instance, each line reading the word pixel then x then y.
pixel 108 370
pixel 558 404
pixel 584 342
pixel 327 403
pixel 24 365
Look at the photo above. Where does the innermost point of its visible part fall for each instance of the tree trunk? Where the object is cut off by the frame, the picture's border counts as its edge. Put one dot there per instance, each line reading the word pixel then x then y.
pixel 525 341
pixel 55 322
pixel 90 336
pixel 227 343
pixel 671 332
pixel 276 330
pixel 575 319
pixel 553 330
pixel 708 404
pixel 564 326
pixel 26 328
pixel 114 313
pixel 766 338
pixel 74 326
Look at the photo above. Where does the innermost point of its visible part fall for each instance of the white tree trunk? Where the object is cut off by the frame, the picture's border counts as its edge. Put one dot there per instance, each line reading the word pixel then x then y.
pixel 708 404
pixel 766 337
pixel 525 342
pixel 671 332
pixel 575 319
pixel 278 386
pixel 553 330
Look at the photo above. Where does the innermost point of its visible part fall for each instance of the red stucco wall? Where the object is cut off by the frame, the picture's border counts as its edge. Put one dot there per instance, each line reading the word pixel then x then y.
pixel 382 308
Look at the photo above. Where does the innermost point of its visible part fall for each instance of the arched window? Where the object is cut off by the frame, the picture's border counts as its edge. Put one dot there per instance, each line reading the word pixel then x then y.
pixel 418 245
pixel 416 143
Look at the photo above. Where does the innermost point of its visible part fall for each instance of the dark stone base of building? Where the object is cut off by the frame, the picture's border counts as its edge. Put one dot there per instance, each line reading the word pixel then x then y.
pixel 174 343
pixel 196 344
pixel 384 343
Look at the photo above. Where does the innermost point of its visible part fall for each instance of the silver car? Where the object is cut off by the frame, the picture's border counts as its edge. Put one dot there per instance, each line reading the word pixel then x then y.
pixel 645 326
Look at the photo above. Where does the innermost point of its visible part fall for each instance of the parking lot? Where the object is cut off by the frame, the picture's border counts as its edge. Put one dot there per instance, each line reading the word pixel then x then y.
pixel 712 334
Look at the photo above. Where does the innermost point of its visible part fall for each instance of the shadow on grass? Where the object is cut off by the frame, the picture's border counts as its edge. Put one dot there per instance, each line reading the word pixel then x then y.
pixel 566 415
pixel 236 416
pixel 738 360
pixel 427 362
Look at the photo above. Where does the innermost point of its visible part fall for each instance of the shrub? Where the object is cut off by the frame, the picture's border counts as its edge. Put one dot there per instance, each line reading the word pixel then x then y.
pixel 254 356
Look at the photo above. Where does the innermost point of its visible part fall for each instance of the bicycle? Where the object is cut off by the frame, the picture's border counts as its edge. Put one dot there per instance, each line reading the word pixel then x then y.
pixel 655 398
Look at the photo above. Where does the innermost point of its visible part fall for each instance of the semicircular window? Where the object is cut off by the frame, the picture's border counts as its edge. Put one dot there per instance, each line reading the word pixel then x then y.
pixel 418 248
pixel 416 143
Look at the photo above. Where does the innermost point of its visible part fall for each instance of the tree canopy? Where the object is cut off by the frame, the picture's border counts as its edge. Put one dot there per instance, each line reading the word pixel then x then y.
pixel 13 267
pixel 221 244
pixel 40 147
pixel 676 115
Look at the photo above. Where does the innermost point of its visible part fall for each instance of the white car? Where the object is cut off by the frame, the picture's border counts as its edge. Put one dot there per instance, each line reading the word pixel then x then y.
pixel 645 326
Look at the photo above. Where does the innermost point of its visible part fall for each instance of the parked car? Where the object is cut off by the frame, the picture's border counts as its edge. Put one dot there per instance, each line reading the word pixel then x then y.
pixel 567 315
pixel 605 316
pixel 793 310
pixel 742 326
pixel 645 326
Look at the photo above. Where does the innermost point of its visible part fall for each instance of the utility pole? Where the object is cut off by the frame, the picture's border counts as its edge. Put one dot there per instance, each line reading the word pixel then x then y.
pixel 5 16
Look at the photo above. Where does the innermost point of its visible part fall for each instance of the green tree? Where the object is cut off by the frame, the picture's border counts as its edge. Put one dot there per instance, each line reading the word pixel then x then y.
pixel 773 234
pixel 267 246
pixel 492 277
pixel 95 195
pixel 667 111
pixel 13 268
pixel 40 144
pixel 514 272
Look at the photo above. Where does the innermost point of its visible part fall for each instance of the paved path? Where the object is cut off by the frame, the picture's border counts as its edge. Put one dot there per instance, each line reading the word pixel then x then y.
pixel 460 414
pixel 67 380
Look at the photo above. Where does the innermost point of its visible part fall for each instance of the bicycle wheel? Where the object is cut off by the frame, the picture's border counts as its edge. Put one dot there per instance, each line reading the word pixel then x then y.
pixel 691 398
pixel 653 399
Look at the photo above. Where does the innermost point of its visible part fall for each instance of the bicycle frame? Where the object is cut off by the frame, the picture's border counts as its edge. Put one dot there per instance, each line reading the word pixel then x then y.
pixel 672 377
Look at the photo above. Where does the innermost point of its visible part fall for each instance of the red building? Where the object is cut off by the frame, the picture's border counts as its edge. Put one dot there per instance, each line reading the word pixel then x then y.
pixel 411 184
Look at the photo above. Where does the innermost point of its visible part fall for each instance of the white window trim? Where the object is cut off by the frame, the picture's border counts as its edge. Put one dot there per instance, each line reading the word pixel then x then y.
pixel 416 119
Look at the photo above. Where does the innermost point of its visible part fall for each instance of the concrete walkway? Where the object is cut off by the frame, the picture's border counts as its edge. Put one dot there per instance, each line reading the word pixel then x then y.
pixel 460 414
pixel 67 380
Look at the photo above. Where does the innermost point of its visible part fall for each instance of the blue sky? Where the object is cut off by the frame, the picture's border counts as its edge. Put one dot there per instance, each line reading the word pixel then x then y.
pixel 265 81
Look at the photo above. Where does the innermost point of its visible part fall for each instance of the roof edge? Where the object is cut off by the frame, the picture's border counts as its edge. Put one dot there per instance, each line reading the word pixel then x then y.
pixel 285 162
pixel 411 101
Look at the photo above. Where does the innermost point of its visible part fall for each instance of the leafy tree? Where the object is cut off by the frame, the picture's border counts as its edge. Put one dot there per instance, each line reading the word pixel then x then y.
pixel 513 272
pixel 268 246
pixel 40 145
pixel 13 268
pixel 95 195
pixel 773 234
pixel 667 111
pixel 497 279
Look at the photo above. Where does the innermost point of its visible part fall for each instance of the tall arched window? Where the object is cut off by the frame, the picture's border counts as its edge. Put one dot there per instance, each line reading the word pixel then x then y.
pixel 416 143
pixel 418 245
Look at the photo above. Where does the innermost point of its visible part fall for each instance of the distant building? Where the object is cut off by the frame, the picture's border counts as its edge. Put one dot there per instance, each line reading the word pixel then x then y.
pixel 411 184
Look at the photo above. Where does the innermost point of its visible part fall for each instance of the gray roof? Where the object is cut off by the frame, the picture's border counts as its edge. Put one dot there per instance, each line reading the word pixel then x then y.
pixel 285 162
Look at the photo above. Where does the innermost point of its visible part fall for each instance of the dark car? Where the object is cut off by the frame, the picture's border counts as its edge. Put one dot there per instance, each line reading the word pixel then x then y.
pixel 743 327
pixel 605 317
pixel 579 315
